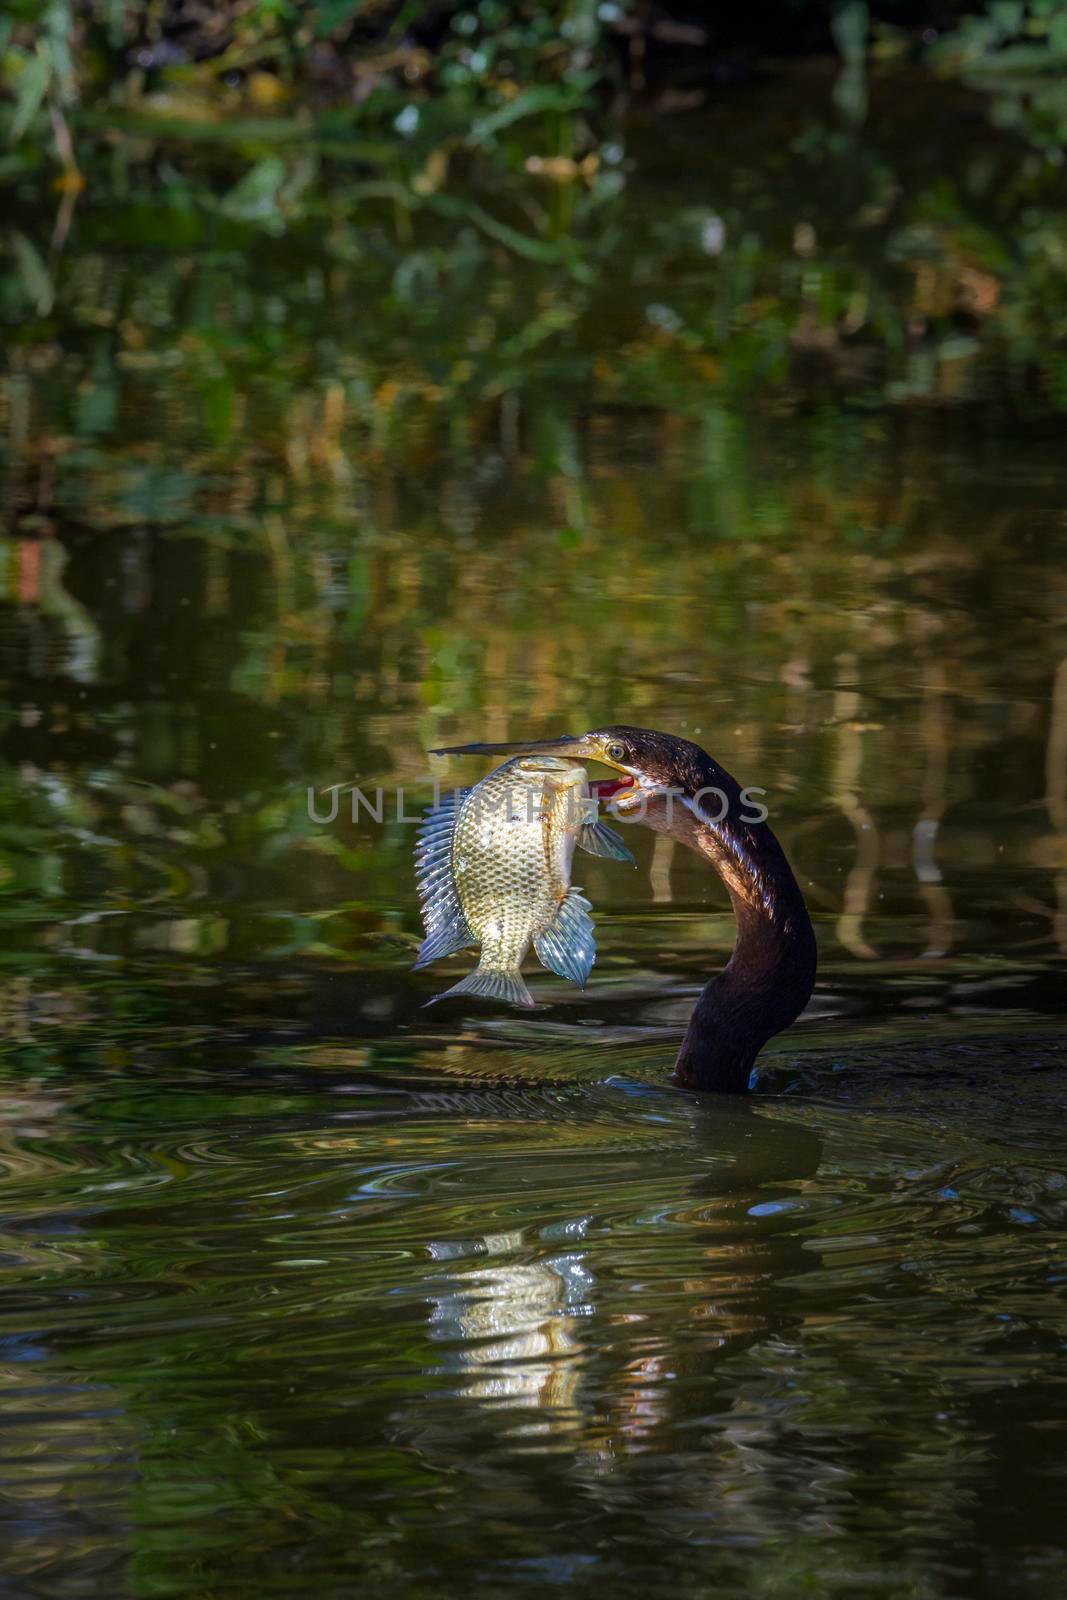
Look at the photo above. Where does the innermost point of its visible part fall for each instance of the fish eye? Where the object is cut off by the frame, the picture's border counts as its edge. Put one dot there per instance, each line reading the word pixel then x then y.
pixel 615 751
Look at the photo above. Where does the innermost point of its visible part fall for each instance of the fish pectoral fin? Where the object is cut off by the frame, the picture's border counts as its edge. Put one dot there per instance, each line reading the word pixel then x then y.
pixel 568 944
pixel 442 915
pixel 489 985
pixel 597 839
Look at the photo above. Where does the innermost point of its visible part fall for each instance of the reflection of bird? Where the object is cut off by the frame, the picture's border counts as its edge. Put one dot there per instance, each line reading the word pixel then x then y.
pixel 675 787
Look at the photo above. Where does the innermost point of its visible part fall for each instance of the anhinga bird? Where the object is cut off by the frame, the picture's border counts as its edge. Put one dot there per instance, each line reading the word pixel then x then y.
pixel 676 788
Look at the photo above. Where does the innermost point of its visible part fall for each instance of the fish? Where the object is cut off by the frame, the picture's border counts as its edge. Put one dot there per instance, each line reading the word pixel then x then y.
pixel 493 865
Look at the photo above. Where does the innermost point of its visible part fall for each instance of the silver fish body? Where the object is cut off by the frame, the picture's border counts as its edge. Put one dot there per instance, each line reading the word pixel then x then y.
pixel 494 869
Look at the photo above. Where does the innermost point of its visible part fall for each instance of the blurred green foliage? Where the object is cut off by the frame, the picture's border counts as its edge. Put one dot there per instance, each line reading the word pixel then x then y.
pixel 319 77
pixel 1015 51
pixel 411 146
pixel 331 369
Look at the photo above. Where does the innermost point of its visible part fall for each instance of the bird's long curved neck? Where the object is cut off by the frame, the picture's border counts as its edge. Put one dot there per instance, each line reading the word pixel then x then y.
pixel 771 974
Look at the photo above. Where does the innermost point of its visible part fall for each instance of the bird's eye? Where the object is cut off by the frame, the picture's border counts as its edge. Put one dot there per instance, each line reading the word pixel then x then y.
pixel 616 752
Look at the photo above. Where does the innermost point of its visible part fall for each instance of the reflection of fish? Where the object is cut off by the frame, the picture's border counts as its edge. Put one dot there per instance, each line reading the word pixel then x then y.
pixel 494 868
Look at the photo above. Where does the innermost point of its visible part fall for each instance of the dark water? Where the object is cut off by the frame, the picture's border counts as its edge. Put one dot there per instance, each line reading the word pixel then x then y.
pixel 309 1291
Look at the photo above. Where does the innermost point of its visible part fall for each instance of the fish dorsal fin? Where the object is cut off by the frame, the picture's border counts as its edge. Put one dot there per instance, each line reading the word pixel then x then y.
pixel 597 839
pixel 568 944
pixel 442 915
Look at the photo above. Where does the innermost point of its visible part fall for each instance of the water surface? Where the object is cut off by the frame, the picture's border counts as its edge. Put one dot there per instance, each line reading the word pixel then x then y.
pixel 309 1290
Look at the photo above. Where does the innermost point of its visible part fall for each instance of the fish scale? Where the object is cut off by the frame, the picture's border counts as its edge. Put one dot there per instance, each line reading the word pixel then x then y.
pixel 493 866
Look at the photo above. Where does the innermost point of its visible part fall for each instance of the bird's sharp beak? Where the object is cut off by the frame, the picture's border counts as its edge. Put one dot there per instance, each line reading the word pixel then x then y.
pixel 580 749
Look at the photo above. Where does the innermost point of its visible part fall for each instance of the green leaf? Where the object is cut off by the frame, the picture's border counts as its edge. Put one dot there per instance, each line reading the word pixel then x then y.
pixel 522 244
pixel 1019 59
pixel 97 407
pixel 217 409
pixel 329 15
pixel 31 86
pixel 36 279
pixel 255 197
pixel 850 25
pixel 544 97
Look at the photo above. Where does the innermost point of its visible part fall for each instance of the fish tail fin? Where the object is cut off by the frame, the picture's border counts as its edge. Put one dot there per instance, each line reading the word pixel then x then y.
pixel 490 985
